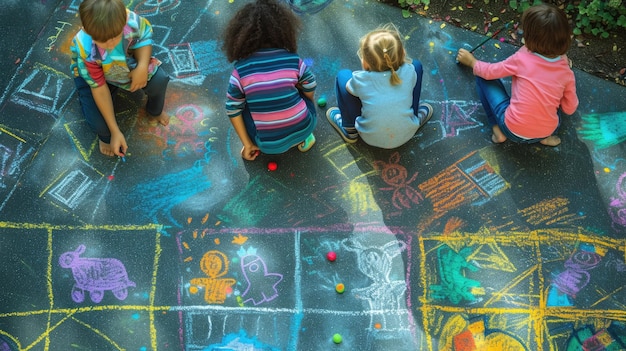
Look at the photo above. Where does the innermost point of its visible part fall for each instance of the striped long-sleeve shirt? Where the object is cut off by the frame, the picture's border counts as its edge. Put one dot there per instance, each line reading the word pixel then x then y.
pixel 268 85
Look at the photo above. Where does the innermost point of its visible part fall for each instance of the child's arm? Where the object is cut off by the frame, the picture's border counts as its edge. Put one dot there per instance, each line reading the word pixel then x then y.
pixel 309 95
pixel 139 75
pixel 102 97
pixel 250 151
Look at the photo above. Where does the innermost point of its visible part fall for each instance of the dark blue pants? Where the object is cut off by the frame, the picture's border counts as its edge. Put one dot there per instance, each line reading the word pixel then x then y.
pixel 155 90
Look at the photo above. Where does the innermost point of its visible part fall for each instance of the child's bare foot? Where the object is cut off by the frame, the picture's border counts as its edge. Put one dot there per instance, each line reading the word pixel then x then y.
pixel 552 140
pixel 497 137
pixel 106 149
pixel 162 119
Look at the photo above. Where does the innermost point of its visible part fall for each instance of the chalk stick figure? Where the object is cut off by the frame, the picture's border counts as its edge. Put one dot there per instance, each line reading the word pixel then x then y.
pixel 96 275
pixel 383 294
pixel 214 264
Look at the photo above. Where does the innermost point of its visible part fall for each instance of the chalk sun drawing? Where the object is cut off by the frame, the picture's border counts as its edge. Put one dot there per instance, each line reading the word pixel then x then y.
pixel 96 275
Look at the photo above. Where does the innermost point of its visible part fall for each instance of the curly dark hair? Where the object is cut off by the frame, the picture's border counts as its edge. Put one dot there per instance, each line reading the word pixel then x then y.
pixel 261 24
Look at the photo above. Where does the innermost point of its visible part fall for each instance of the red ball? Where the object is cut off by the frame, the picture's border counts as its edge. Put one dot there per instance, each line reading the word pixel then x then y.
pixel 272 166
pixel 331 256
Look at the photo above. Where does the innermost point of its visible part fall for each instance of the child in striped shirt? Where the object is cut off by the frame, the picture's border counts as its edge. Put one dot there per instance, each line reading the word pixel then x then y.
pixel 271 90
pixel 113 51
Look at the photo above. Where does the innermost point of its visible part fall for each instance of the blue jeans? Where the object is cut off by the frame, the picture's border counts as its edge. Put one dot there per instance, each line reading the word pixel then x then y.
pixel 350 105
pixel 155 90
pixel 496 100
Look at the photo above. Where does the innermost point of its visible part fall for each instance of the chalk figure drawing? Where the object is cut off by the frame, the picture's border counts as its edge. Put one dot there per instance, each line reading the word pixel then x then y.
pixel 261 283
pixel 215 265
pixel 384 296
pixel 395 175
pixel 96 275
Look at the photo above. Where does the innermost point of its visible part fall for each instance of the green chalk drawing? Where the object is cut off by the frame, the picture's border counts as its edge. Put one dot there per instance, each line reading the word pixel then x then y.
pixel 604 129
pixel 253 203
pixel 454 285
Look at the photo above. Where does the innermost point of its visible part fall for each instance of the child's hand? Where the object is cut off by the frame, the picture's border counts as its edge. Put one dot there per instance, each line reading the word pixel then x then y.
pixel 138 78
pixel 465 57
pixel 118 144
pixel 250 152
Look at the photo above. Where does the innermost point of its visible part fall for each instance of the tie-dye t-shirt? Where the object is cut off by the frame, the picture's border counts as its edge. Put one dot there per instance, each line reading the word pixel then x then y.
pixel 99 66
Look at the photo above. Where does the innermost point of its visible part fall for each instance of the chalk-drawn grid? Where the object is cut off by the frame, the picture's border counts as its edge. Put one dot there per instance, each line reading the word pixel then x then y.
pixel 519 304
pixel 305 304
pixel 60 323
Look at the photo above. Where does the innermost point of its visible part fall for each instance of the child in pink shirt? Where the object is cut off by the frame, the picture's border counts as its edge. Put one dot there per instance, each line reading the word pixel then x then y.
pixel 542 81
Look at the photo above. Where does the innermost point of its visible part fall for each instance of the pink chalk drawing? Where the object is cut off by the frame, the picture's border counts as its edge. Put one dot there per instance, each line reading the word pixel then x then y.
pixel 95 275
pixel 395 175
pixel 261 284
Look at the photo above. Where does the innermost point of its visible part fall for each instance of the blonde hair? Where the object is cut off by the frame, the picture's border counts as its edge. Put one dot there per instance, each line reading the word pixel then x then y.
pixel 103 19
pixel 382 49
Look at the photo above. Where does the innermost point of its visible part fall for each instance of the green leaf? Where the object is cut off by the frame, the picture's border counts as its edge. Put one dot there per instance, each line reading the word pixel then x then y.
pixel 513 4
pixel 406 13
pixel 604 35
pixel 577 31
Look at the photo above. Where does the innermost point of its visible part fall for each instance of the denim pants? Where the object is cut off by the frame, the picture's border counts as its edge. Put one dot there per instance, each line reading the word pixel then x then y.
pixel 496 100
pixel 350 105
pixel 155 90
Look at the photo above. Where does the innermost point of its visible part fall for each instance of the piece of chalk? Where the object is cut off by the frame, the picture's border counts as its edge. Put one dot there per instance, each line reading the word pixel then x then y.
pixel 337 338
pixel 340 288
pixel 272 166
pixel 321 102
pixel 331 256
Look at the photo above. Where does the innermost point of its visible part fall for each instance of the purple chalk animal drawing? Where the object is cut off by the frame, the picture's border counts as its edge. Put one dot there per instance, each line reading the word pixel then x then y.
pixel 96 275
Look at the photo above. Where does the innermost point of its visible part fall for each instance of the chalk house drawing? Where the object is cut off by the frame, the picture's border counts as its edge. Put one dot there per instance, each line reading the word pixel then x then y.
pixel 96 275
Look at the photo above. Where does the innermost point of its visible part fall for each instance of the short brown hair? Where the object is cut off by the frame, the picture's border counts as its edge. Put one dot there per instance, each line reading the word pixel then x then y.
pixel 546 30
pixel 103 19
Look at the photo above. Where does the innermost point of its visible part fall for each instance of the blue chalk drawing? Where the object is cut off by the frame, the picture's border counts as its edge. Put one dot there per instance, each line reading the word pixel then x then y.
pixel 159 196
pixel 240 341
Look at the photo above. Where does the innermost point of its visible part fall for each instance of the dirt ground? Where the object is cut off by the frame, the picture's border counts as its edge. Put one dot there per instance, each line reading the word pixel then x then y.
pixel 604 58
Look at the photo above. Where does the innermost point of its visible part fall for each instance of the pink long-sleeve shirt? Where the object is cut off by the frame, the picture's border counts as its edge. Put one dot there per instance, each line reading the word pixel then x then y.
pixel 539 86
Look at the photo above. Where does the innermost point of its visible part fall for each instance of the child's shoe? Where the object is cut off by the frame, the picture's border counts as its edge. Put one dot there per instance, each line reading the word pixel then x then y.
pixel 424 112
pixel 350 134
pixel 307 144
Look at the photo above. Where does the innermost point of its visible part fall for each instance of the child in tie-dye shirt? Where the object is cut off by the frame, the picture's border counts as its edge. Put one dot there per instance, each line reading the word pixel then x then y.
pixel 114 50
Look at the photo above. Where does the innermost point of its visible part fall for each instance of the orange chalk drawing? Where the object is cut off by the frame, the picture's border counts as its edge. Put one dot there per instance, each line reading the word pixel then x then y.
pixel 214 264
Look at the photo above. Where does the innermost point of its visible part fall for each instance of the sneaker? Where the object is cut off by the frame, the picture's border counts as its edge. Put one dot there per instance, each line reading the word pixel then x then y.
pixel 349 135
pixel 307 144
pixel 424 112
